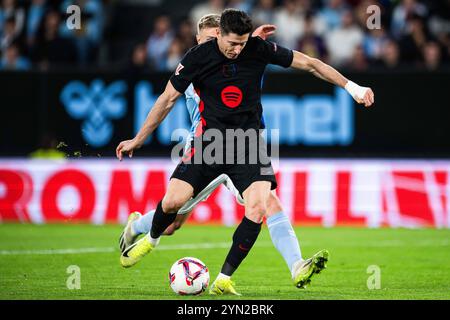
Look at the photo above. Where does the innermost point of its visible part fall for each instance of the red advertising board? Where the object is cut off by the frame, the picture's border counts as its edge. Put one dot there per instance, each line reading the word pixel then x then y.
pixel 329 192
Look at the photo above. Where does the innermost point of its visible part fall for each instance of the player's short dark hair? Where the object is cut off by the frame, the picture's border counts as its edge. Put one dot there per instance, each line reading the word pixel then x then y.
pixel 235 21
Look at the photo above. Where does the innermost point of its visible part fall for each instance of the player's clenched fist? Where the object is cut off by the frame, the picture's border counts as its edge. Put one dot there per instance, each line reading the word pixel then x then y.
pixel 368 98
pixel 362 95
pixel 126 147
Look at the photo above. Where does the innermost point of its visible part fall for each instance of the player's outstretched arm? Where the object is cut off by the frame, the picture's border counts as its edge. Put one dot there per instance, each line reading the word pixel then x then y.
pixel 363 95
pixel 160 110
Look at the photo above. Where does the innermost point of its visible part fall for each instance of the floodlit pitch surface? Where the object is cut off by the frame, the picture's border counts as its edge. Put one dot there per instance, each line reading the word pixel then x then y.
pixel 34 262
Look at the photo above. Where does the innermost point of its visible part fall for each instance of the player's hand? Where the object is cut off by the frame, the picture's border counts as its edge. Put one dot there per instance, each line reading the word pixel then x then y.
pixel 264 31
pixel 126 147
pixel 362 95
pixel 368 99
pixel 365 96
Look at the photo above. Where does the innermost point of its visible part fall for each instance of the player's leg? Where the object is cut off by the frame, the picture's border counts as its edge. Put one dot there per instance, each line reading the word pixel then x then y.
pixel 179 221
pixel 285 240
pixel 281 232
pixel 185 211
pixel 255 198
pixel 187 181
pixel 178 192
pixel 138 224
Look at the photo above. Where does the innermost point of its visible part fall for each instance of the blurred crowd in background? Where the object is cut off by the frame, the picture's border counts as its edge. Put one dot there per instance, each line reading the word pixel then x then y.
pixel 156 34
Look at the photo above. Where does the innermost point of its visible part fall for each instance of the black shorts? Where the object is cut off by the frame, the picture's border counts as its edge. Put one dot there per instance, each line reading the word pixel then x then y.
pixel 242 175
pixel 244 165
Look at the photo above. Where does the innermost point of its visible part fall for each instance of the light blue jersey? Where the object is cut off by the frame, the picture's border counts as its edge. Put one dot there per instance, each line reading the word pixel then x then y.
pixel 192 102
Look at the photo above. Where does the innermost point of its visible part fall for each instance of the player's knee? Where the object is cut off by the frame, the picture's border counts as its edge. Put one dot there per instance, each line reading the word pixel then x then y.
pixel 256 211
pixel 172 204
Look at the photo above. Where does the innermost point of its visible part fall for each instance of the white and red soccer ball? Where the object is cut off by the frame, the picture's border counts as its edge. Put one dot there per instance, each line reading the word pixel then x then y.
pixel 189 276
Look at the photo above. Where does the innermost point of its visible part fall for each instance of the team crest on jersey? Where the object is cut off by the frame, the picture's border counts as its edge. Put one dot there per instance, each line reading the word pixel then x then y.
pixel 179 68
pixel 231 96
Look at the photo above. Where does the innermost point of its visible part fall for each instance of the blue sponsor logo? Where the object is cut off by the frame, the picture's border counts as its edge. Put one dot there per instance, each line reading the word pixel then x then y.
pixel 96 105
pixel 312 120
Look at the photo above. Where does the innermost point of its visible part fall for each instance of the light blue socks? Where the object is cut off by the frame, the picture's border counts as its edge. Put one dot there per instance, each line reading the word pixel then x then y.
pixel 284 238
pixel 143 225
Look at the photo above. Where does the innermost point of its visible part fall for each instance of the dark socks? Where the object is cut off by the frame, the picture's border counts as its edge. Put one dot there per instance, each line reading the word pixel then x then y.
pixel 243 239
pixel 161 221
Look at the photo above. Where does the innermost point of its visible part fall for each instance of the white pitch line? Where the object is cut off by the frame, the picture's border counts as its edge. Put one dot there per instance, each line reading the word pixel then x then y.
pixel 57 251
pixel 221 245
pixel 216 245
pixel 187 246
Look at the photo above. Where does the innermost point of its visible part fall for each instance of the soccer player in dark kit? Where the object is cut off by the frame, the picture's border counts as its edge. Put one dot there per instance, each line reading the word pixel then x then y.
pixel 226 73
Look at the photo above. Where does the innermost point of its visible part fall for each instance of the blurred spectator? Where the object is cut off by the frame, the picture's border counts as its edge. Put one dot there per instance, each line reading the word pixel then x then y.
pixel 139 63
pixel 175 54
pixel 50 49
pixel 9 34
pixel 360 12
pixel 390 55
pixel 204 8
pixel 305 5
pixel 159 42
pixel 186 34
pixel 12 60
pixel 244 5
pixel 321 28
pixel 311 43
pixel 343 41
pixel 439 22
pixel 332 13
pixel 412 42
pixel 264 12
pixel 88 37
pixel 374 42
pixel 10 9
pixel 359 60
pixel 289 22
pixel 35 14
pixel 432 56
pixel 400 14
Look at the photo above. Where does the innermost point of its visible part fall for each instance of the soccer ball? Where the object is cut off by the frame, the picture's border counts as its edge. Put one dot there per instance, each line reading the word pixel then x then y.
pixel 188 276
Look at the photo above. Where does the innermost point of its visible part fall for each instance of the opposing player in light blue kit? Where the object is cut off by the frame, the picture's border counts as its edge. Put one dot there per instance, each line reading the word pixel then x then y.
pixel 280 228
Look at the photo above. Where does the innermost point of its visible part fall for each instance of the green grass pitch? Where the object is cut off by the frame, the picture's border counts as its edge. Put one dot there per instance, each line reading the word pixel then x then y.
pixel 414 264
